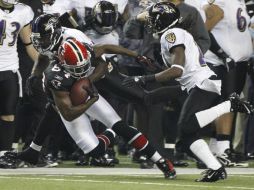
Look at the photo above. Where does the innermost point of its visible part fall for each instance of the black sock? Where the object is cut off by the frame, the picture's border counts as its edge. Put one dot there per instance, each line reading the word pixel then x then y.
pixel 7 131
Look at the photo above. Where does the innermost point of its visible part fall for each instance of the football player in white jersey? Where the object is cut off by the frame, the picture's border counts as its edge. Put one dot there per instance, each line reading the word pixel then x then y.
pixel 184 62
pixel 229 61
pixel 12 23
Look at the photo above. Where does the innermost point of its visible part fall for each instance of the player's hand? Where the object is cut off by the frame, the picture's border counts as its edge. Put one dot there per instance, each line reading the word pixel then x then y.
pixel 147 63
pixel 134 80
pixel 229 63
pixel 93 92
pixel 31 84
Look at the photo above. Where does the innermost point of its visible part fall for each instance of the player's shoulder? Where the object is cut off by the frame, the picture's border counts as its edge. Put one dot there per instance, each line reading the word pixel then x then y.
pixel 77 34
pixel 23 7
pixel 171 35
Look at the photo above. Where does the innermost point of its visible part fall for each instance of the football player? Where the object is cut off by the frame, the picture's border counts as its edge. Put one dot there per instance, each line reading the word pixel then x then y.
pixel 229 61
pixel 12 23
pixel 185 63
pixel 47 36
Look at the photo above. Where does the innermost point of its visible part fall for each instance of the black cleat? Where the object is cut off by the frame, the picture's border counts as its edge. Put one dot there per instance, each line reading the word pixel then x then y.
pixel 102 162
pixel 210 175
pixel 29 155
pixel 8 160
pixel 167 168
pixel 238 105
pixel 83 160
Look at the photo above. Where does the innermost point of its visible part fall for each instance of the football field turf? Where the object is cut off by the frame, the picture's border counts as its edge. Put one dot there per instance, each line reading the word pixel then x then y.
pixel 126 176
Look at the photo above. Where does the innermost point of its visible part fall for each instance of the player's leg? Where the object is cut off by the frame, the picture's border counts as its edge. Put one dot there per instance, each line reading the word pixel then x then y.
pixel 82 133
pixel 8 101
pixel 102 111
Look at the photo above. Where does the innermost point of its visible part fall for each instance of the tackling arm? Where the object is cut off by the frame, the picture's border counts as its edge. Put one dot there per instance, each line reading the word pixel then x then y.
pixel 25 34
pixel 176 70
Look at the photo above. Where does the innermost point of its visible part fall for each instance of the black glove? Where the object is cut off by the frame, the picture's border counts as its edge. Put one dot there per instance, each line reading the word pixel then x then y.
pixel 31 84
pixel 147 63
pixel 229 63
pixel 138 80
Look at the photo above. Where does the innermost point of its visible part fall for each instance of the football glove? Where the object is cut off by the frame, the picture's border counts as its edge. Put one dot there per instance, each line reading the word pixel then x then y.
pixel 229 63
pixel 147 63
pixel 92 91
pixel 138 80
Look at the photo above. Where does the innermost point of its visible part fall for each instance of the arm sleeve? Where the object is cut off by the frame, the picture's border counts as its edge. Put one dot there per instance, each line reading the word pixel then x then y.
pixel 199 32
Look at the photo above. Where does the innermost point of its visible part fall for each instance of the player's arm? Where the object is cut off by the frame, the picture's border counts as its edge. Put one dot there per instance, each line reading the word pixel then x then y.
pixel 215 14
pixel 25 34
pixel 99 50
pixel 101 68
pixel 177 67
pixel 67 110
pixel 175 71
pixel 40 65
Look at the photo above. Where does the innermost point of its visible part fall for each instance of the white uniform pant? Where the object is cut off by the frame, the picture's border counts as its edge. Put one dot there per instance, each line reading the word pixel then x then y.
pixel 81 130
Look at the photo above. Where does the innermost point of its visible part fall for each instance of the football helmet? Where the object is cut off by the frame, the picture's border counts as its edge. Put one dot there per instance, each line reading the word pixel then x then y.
pixel 10 2
pixel 162 16
pixel 104 16
pixel 50 2
pixel 46 33
pixel 75 57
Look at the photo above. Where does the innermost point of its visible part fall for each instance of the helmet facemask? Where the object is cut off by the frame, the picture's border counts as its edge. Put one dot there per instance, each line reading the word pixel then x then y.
pixel 105 16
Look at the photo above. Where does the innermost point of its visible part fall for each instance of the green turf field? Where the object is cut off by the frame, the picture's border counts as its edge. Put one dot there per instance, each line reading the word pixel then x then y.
pixel 90 182
pixel 102 179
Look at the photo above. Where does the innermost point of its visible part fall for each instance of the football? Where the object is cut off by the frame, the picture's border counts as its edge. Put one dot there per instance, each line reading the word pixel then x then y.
pixel 79 94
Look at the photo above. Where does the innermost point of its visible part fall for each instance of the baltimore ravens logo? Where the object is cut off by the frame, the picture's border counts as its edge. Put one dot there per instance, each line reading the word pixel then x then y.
pixel 171 37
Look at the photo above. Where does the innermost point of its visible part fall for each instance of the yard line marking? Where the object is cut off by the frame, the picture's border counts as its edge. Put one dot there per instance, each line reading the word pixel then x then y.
pixel 129 182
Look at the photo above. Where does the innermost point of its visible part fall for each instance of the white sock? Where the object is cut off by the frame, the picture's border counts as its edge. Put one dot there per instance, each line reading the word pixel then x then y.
pixel 202 151
pixel 35 146
pixel 222 146
pixel 207 116
pixel 213 145
pixel 156 157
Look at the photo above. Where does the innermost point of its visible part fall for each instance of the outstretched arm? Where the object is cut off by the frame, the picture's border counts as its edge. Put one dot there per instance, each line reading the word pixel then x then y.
pixel 113 49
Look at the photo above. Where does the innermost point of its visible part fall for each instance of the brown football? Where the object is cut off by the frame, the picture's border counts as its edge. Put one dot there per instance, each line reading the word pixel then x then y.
pixel 78 92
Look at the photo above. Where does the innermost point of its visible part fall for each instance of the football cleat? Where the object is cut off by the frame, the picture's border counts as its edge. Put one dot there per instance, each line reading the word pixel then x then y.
pixel 210 175
pixel 167 168
pixel 229 159
pixel 102 162
pixel 8 160
pixel 29 155
pixel 238 105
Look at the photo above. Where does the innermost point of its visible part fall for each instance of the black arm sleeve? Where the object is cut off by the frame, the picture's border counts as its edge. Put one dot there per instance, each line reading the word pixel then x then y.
pixel 216 49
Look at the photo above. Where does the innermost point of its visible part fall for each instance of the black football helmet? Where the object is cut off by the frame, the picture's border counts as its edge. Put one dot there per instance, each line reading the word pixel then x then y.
pixel 104 16
pixel 49 2
pixel 46 32
pixel 162 16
